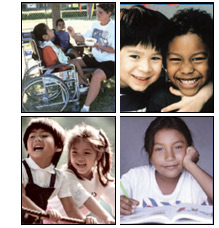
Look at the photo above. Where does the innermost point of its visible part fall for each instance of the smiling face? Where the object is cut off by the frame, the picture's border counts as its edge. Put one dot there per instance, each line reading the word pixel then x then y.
pixel 168 153
pixel 84 158
pixel 103 16
pixel 41 147
pixel 188 63
pixel 140 67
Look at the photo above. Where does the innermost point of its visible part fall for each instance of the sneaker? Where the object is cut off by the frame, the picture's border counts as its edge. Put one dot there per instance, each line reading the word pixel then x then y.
pixel 84 110
pixel 83 88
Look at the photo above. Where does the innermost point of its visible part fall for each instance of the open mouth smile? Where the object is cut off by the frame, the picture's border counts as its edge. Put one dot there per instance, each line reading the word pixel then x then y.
pixel 188 82
pixel 140 78
pixel 38 148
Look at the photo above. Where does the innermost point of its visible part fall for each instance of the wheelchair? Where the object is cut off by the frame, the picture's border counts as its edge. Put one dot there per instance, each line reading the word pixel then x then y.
pixel 46 89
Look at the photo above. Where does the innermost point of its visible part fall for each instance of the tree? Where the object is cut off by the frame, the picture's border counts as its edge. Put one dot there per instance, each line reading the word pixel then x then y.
pixel 56 14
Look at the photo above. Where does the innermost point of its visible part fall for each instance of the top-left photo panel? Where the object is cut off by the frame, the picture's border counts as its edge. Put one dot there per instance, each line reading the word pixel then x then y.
pixel 68 57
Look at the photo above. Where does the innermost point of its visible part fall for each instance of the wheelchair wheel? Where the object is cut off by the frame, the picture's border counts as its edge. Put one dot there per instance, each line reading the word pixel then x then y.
pixel 27 76
pixel 46 93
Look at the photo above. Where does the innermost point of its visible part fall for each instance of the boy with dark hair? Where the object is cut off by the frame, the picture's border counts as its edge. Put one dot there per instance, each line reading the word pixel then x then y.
pixel 141 38
pixel 44 141
pixel 62 39
pixel 188 58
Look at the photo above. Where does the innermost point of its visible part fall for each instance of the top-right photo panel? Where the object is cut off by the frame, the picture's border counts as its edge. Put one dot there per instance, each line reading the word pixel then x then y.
pixel 167 58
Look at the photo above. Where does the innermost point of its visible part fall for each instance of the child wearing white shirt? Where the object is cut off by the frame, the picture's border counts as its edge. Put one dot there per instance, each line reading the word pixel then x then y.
pixel 44 141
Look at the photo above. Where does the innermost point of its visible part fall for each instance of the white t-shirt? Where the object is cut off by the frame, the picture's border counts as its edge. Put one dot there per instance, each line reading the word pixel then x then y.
pixel 41 177
pixel 81 190
pixel 140 184
pixel 105 36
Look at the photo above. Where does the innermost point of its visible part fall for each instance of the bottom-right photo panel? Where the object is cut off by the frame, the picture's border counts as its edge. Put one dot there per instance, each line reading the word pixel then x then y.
pixel 167 170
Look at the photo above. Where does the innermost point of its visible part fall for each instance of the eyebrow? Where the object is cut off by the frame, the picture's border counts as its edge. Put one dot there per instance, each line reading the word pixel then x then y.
pixel 178 141
pixel 198 53
pixel 139 52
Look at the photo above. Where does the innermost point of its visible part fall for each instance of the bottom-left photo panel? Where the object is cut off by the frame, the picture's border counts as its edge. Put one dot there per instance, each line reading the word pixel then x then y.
pixel 68 170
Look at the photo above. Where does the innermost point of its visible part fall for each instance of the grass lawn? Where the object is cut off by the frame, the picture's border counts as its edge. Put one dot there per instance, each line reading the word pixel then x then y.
pixel 105 102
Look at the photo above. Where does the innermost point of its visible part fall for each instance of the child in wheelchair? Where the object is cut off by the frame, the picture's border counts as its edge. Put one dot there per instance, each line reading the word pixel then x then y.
pixel 52 55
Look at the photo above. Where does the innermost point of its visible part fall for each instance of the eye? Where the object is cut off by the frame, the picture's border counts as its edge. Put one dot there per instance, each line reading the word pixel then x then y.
pixel 74 152
pixel 156 58
pixel 178 147
pixel 199 59
pixel 159 149
pixel 87 152
pixel 174 59
pixel 135 56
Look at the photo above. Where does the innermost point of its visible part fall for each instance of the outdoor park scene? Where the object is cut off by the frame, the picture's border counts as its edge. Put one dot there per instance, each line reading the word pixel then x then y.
pixel 65 87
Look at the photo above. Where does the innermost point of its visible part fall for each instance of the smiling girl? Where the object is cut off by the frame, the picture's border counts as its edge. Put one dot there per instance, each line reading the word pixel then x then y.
pixel 88 171
pixel 173 176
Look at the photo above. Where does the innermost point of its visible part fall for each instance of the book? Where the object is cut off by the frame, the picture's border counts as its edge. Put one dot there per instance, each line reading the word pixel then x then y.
pixel 179 214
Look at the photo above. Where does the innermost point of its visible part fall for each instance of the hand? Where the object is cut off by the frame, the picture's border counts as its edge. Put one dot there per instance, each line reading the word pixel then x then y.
pixel 54 215
pixel 91 220
pixel 192 156
pixel 186 104
pixel 127 206
pixel 71 31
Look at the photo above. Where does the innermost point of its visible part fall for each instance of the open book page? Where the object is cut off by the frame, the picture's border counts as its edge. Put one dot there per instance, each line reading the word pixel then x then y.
pixel 183 213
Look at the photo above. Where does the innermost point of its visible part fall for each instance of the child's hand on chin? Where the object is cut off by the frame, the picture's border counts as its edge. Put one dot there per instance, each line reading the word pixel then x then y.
pixel 127 206
pixel 192 156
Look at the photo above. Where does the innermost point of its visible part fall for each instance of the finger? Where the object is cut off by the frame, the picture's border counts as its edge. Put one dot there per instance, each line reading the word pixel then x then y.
pixel 175 91
pixel 171 107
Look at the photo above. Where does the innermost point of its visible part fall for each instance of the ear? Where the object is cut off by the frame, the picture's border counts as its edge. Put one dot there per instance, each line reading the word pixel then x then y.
pixel 58 150
pixel 99 155
pixel 45 37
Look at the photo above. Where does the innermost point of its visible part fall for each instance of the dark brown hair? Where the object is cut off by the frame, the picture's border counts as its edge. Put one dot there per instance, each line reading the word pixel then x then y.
pixel 169 123
pixel 99 142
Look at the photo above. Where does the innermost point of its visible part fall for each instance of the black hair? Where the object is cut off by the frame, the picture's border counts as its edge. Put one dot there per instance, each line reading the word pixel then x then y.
pixel 40 30
pixel 165 123
pixel 107 7
pixel 139 25
pixel 59 20
pixel 53 128
pixel 192 21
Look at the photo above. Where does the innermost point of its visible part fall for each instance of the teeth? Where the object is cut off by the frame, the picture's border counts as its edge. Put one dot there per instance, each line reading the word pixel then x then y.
pixel 38 148
pixel 188 82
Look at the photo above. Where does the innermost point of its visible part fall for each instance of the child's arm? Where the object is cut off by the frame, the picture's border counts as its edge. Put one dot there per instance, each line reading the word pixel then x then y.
pixel 192 103
pixel 73 212
pixel 127 206
pixel 28 203
pixel 76 37
pixel 92 205
pixel 203 179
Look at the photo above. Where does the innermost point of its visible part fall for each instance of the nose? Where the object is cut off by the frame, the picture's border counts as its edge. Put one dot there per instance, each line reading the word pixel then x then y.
pixel 169 155
pixel 186 68
pixel 144 66
pixel 38 138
